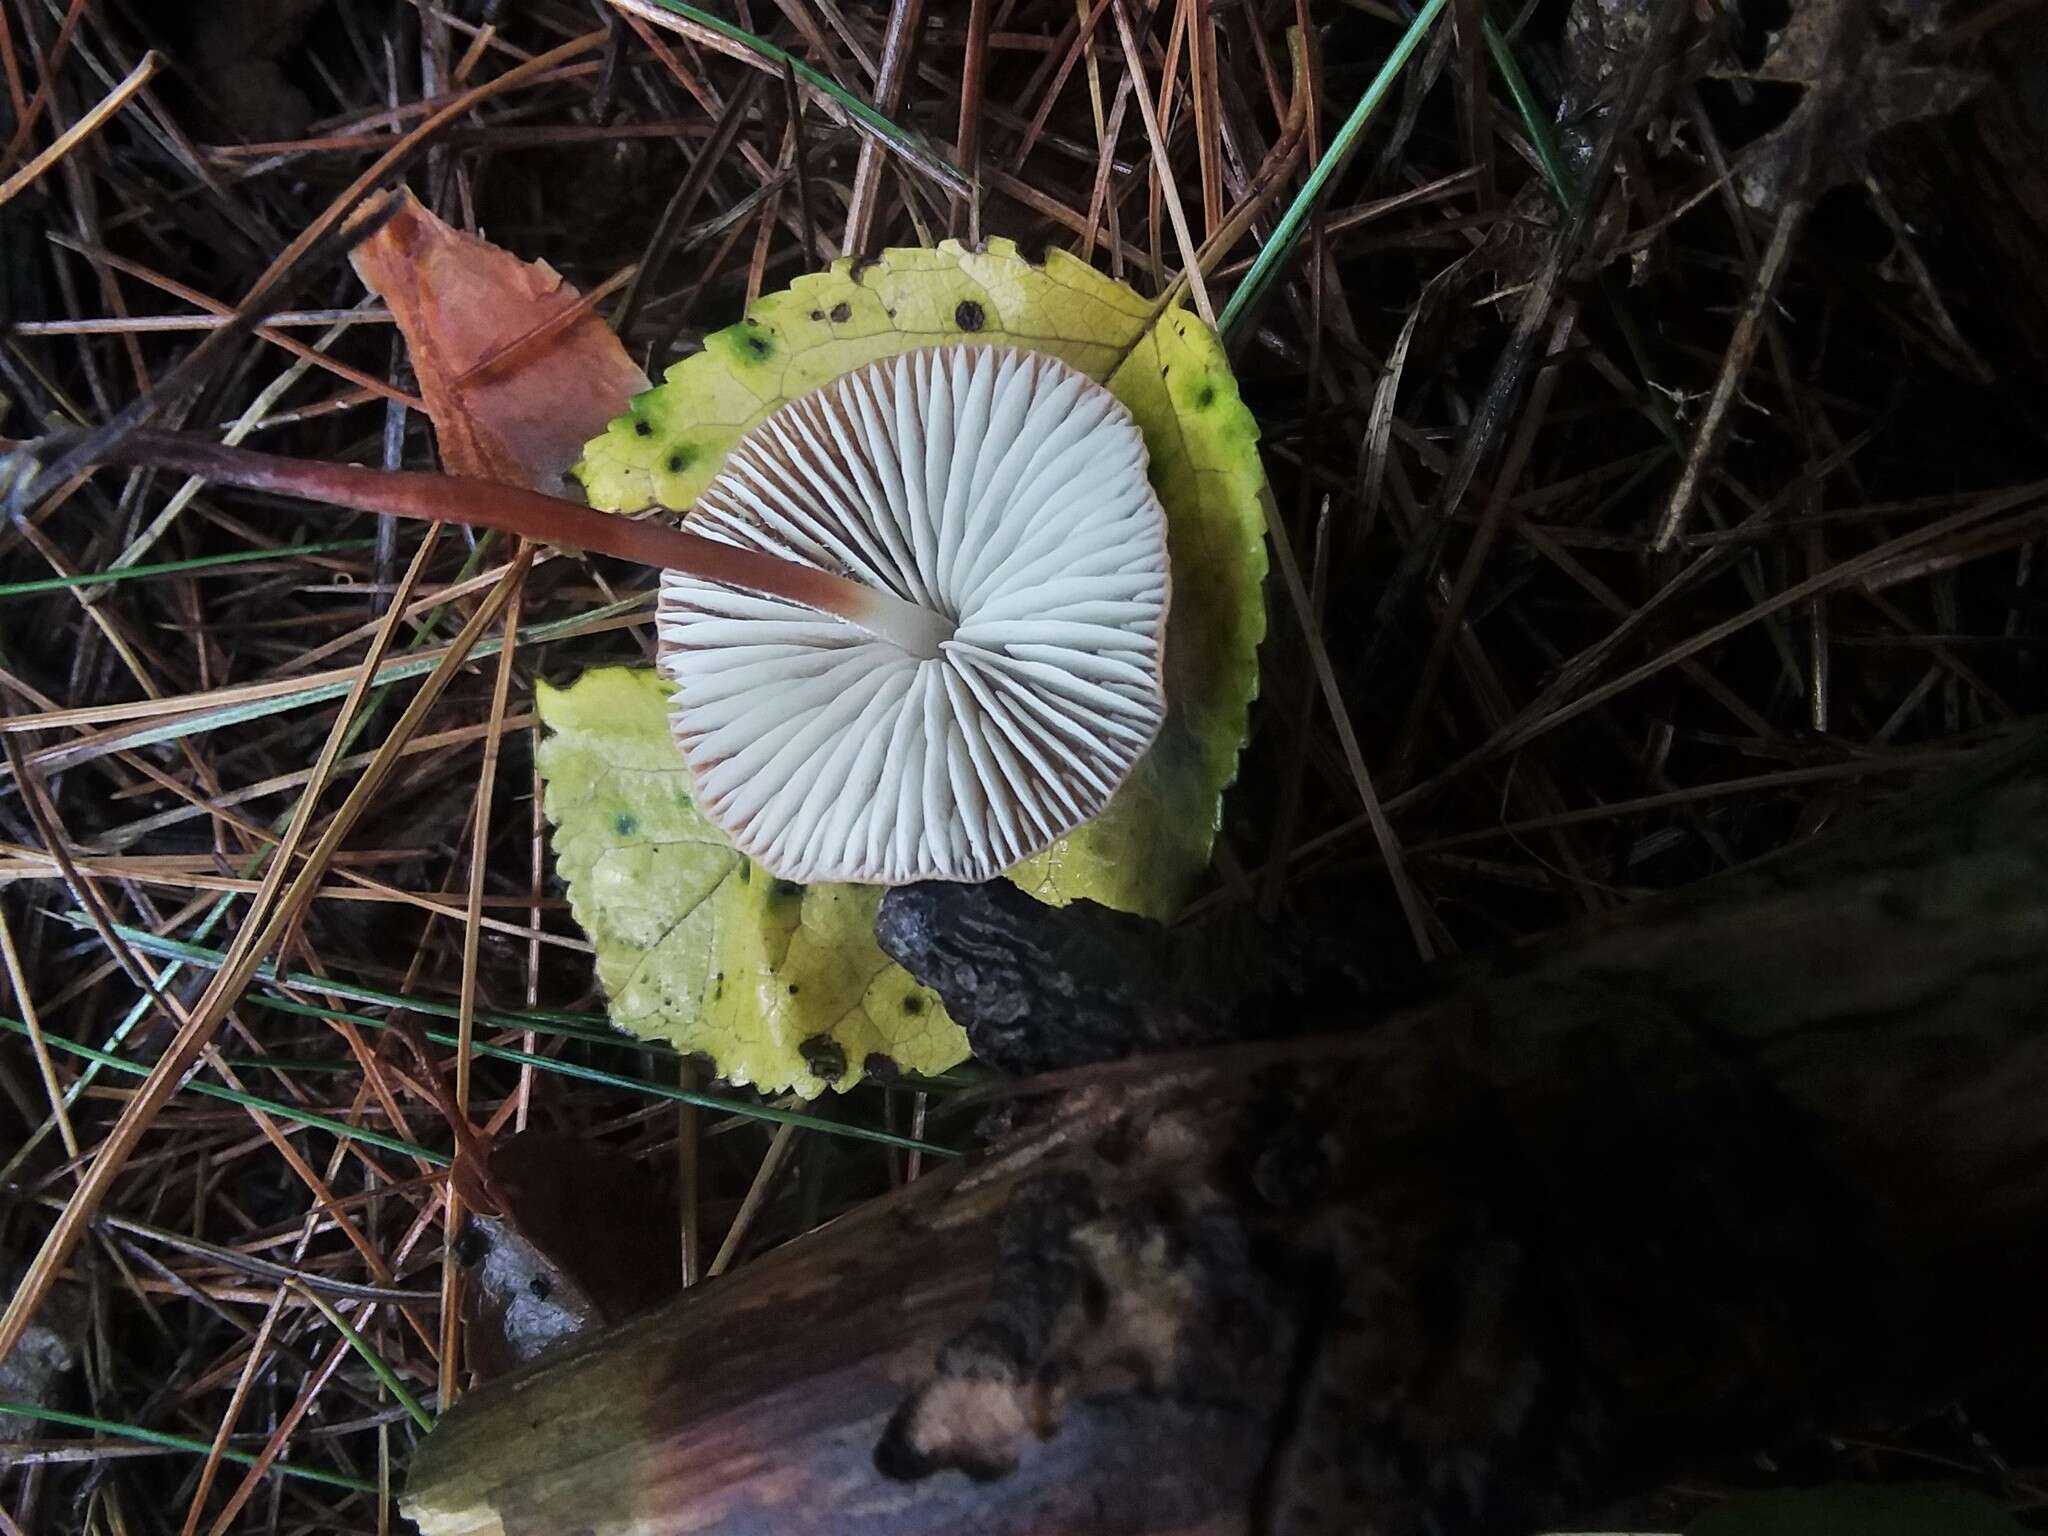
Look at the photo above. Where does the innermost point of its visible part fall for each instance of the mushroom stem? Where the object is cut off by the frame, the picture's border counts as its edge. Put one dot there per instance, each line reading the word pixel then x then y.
pixel 530 514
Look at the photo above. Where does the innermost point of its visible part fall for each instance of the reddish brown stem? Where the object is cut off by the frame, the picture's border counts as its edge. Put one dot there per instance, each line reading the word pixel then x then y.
pixel 513 509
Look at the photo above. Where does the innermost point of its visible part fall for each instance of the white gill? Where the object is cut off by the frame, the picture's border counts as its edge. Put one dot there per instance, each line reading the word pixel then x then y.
pixel 1002 495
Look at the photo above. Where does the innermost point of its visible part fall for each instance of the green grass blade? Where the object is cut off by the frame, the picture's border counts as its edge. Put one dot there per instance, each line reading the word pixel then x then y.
pixel 235 1096
pixel 652 1089
pixel 175 567
pixel 170 1442
pixel 287 1063
pixel 913 147
pixel 1542 136
pixel 137 1012
pixel 590 1027
pixel 539 1022
pixel 370 1357
pixel 1279 250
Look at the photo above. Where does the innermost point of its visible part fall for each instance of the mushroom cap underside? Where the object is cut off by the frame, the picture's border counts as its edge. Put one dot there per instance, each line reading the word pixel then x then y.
pixel 1005 493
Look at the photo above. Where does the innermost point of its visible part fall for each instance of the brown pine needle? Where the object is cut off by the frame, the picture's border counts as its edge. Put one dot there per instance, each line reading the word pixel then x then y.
pixel 19 981
pixel 1191 266
pixel 86 126
pixel 272 911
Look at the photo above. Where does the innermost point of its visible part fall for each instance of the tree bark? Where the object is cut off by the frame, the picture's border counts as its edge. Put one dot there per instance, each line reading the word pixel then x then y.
pixel 1766 1157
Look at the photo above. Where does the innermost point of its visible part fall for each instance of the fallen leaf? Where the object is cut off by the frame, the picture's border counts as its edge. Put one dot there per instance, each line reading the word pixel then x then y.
pixel 781 985
pixel 1859 83
pixel 1146 851
pixel 516 370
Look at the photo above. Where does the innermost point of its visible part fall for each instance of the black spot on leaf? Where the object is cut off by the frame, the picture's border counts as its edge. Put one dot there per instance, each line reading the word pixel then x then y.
pixel 913 1005
pixel 841 312
pixel 745 343
pixel 969 316
pixel 679 459
pixel 825 1057
pixel 644 428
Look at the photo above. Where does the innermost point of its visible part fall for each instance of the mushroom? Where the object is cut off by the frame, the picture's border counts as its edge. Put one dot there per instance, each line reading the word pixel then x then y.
pixel 915 622
pixel 1001 494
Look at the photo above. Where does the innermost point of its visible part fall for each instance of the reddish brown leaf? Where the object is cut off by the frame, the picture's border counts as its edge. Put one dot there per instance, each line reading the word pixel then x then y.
pixel 516 370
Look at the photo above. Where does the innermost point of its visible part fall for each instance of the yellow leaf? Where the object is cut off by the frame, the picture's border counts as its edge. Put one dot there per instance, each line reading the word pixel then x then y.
pixel 665 450
pixel 780 984
pixel 1146 851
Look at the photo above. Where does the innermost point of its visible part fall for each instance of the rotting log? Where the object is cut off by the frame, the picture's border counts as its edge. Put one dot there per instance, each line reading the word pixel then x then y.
pixel 1765 1157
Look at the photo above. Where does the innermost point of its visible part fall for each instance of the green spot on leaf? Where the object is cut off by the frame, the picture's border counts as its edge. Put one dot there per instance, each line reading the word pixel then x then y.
pixel 746 345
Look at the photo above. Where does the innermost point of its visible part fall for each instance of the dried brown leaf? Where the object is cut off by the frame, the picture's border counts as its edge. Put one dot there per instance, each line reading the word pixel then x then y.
pixel 516 370
pixel 1860 82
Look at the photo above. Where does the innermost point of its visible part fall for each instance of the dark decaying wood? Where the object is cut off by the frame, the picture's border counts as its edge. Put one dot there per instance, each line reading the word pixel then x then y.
pixel 1760 1159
